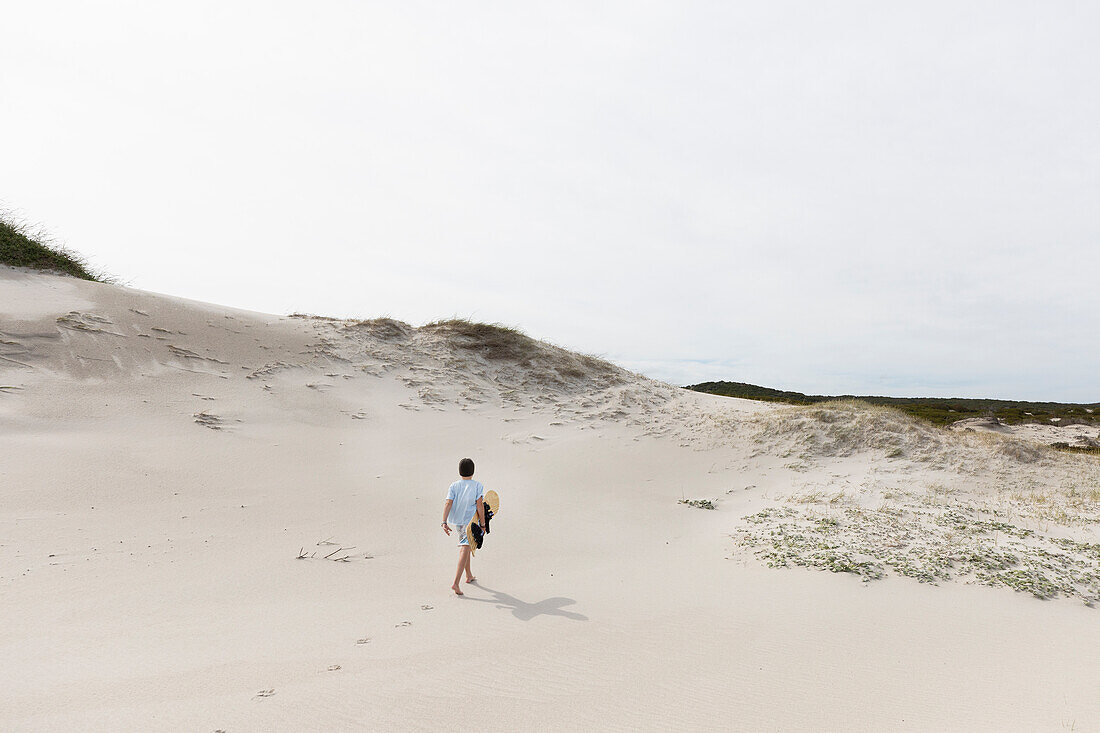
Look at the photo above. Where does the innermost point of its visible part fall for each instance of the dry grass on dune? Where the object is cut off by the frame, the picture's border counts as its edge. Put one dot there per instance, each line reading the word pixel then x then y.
pixel 491 340
pixel 466 363
pixel 846 427
pixel 978 508
pixel 384 329
pixel 527 362
pixel 499 343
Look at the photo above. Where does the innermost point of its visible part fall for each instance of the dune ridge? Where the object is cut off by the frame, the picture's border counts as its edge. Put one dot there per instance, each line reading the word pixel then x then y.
pixel 217 519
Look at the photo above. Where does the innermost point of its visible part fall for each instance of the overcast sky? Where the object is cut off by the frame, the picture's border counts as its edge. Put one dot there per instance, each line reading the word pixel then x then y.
pixel 869 198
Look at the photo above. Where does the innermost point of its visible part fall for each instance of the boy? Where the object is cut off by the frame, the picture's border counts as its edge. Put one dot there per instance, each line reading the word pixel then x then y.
pixel 464 500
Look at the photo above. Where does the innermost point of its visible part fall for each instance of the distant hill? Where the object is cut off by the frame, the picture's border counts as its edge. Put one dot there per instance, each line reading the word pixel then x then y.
pixel 939 410
pixel 22 247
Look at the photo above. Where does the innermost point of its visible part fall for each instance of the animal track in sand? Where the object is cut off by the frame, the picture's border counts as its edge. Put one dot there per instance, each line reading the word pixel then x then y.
pixel 270 368
pixel 88 322
pixel 209 420
pixel 188 354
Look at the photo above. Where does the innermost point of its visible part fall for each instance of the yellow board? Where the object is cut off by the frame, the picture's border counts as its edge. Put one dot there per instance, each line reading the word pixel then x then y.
pixel 493 501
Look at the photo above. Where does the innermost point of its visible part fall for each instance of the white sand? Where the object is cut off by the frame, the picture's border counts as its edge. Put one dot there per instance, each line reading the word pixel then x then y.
pixel 149 580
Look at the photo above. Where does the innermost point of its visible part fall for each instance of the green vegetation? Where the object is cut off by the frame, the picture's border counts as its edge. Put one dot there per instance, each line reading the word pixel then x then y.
pixel 1090 449
pixel 937 410
pixel 698 503
pixel 926 544
pixel 22 247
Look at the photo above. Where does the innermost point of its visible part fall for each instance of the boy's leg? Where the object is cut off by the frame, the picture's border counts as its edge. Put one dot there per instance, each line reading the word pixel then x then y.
pixel 469 573
pixel 463 561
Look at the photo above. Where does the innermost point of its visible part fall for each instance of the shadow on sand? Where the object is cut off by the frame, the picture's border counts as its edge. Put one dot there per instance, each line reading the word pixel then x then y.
pixel 527 611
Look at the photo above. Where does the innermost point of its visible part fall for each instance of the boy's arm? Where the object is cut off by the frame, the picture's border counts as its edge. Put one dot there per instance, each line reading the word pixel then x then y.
pixel 447 513
pixel 481 511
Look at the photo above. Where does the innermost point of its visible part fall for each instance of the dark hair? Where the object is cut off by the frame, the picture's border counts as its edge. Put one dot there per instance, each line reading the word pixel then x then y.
pixel 465 468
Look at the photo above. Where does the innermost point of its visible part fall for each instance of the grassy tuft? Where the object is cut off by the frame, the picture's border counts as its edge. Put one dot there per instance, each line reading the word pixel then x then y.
pixel 545 365
pixel 22 246
pixel 385 328
pixel 494 341
pixel 699 503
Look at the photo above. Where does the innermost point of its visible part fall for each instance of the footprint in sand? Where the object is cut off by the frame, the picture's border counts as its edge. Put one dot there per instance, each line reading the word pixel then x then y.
pixel 364 640
pixel 333 667
pixel 403 623
pixel 426 607
pixel 266 693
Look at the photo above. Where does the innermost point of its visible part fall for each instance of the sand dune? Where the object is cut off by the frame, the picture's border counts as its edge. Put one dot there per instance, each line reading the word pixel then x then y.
pixel 1082 435
pixel 213 519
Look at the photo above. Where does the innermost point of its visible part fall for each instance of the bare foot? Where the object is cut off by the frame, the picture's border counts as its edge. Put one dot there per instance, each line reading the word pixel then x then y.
pixel 471 580
pixel 457 590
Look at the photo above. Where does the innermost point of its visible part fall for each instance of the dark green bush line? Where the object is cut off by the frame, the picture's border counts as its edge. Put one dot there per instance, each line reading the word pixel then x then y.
pixel 21 247
pixel 1093 449
pixel 938 410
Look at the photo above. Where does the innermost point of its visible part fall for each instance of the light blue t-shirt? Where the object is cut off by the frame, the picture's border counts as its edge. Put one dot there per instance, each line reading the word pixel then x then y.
pixel 464 494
